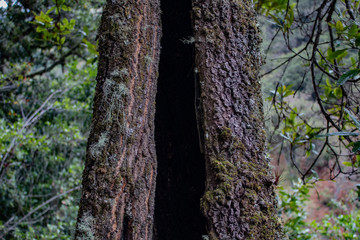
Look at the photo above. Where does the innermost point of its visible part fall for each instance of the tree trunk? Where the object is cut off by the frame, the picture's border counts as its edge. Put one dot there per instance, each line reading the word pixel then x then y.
pixel 120 170
pixel 119 178
pixel 239 201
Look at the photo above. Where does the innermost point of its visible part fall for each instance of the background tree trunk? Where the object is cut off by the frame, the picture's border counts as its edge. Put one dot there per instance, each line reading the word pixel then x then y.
pixel 239 202
pixel 119 178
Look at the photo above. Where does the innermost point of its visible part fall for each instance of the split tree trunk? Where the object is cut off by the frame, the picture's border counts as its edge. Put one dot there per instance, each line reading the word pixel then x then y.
pixel 119 178
pixel 120 170
pixel 239 201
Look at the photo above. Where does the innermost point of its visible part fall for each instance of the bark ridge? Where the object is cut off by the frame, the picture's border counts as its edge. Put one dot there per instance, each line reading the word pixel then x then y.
pixel 119 178
pixel 239 201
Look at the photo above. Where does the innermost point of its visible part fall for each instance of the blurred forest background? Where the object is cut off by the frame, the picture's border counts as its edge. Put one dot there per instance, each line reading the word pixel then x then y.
pixel 48 62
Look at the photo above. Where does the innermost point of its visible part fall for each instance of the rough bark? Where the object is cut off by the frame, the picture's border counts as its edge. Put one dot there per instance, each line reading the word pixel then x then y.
pixel 120 170
pixel 239 201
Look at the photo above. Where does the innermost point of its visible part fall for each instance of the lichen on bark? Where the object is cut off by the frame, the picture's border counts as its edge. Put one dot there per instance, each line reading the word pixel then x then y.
pixel 119 177
pixel 239 201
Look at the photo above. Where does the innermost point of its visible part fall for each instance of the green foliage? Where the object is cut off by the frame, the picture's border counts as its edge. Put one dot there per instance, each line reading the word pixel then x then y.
pixel 45 152
pixel 48 65
pixel 313 51
pixel 292 204
pixel 329 61
pixel 48 61
pixel 54 31
pixel 281 12
pixel 344 225
pixel 267 6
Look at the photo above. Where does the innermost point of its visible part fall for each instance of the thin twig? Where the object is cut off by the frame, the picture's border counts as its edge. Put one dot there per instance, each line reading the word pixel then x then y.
pixel 36 209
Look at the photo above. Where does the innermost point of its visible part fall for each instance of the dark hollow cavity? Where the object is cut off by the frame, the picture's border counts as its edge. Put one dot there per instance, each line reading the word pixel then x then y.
pixel 181 167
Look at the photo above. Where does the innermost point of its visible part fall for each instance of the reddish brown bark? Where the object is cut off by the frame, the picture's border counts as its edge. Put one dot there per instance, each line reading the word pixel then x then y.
pixel 119 178
pixel 239 202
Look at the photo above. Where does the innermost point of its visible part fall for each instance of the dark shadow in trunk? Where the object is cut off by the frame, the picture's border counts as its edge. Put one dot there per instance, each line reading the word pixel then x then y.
pixel 181 167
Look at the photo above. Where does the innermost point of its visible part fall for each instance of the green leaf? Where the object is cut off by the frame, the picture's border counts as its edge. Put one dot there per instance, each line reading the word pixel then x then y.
pixel 337 134
pixel 91 47
pixel 336 54
pixel 338 92
pixel 348 164
pixel 40 19
pixel 288 93
pixel 339 26
pixel 356 146
pixel 65 8
pixel 86 30
pixel 65 21
pixel 50 10
pixel 356 121
pixel 278 20
pixel 347 76
pixel 353 61
pixel 353 30
pixel 72 23
pixel 40 29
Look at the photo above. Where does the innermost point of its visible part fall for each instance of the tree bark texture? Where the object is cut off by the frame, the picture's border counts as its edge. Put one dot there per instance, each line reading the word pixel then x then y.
pixel 119 178
pixel 239 201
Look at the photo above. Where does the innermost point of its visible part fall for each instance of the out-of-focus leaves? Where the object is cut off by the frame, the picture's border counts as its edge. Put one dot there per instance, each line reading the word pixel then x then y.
pixel 356 146
pixel 351 74
pixel 44 120
pixel 355 120
pixel 337 54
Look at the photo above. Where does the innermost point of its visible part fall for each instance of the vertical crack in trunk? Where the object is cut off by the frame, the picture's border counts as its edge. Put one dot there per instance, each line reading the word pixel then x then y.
pixel 181 169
